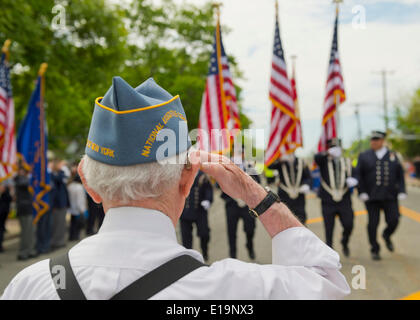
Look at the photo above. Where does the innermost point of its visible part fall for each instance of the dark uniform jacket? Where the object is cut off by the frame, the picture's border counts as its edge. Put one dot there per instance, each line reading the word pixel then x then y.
pixel 322 159
pixel 291 170
pixel 200 191
pixel 59 194
pixel 382 179
pixel 23 196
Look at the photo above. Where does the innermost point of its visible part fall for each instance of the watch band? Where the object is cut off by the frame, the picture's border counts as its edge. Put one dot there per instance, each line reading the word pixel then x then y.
pixel 266 203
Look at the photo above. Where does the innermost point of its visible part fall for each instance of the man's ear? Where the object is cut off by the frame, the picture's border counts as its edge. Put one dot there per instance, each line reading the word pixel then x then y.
pixel 187 178
pixel 95 197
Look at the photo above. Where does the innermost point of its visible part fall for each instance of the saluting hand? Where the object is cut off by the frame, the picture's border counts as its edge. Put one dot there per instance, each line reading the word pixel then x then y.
pixel 232 180
pixel 239 185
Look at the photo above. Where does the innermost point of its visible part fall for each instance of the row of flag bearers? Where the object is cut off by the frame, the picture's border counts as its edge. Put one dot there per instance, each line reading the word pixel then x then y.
pixel 378 177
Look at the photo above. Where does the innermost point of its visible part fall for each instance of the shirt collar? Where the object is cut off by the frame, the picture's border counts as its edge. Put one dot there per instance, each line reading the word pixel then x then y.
pixel 381 152
pixel 139 220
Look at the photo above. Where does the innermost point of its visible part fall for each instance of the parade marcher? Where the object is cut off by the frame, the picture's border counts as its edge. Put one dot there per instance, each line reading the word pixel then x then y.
pixel 236 209
pixel 24 213
pixel 78 206
pixel 336 181
pixel 294 183
pixel 195 211
pixel 381 186
pixel 5 200
pixel 135 254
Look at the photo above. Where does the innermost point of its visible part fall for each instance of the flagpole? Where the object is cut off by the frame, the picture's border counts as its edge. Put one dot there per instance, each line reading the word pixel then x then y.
pixel 41 72
pixel 217 6
pixel 336 94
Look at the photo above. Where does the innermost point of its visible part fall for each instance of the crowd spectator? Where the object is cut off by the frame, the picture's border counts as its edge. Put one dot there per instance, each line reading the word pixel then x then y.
pixel 24 213
pixel 59 204
pixel 5 200
pixel 78 206
pixel 95 213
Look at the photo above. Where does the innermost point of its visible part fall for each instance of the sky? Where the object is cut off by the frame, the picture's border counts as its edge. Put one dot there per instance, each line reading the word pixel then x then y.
pixel 373 35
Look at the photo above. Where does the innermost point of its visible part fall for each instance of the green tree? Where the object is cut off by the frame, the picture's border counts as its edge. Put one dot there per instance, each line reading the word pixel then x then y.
pixel 100 40
pixel 407 138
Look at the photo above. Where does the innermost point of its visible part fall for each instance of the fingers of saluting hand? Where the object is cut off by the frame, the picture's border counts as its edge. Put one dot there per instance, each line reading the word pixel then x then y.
pixel 230 177
pixel 210 163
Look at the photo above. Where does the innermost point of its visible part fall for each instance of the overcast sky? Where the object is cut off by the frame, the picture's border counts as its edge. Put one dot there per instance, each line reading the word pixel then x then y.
pixel 389 38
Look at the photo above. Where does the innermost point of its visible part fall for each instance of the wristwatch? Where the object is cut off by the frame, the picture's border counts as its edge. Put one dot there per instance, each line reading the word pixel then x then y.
pixel 266 203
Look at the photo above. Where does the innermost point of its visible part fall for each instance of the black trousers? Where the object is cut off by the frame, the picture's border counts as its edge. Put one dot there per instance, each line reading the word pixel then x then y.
pixel 3 218
pixel 392 215
pixel 345 212
pixel 233 214
pixel 203 232
pixel 297 206
pixel 76 224
pixel 96 213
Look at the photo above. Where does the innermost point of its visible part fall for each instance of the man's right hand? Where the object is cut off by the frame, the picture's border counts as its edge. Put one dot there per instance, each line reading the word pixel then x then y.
pixel 232 180
pixel 239 185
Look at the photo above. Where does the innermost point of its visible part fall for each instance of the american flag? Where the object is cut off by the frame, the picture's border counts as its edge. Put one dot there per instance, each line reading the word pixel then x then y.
pixel 219 109
pixel 7 122
pixel 334 95
pixel 283 118
pixel 297 136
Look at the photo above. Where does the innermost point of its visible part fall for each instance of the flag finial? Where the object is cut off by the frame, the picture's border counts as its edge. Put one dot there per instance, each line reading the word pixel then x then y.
pixel 217 5
pixel 276 4
pixel 42 69
pixel 6 46
pixel 337 5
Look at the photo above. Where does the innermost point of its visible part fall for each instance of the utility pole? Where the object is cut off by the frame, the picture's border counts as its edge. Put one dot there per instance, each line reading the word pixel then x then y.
pixel 359 125
pixel 383 73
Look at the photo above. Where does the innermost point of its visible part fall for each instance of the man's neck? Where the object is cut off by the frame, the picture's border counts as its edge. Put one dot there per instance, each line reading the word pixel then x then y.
pixel 158 204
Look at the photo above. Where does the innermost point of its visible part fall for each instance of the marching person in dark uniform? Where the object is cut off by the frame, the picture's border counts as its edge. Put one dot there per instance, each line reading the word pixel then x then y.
pixel 336 181
pixel 195 211
pixel 381 185
pixel 237 209
pixel 294 183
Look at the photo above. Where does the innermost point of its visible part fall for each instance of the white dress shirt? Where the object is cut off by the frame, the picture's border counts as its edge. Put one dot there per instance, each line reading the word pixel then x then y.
pixel 381 152
pixel 133 241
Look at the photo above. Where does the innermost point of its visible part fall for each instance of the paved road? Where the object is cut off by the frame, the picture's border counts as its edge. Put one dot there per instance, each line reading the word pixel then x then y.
pixel 395 276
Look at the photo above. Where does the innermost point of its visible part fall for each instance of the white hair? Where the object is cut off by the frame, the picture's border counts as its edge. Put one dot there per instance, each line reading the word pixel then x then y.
pixel 136 182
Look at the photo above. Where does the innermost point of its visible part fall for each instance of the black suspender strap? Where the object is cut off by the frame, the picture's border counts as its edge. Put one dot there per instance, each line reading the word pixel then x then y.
pixel 141 289
pixel 159 278
pixel 65 283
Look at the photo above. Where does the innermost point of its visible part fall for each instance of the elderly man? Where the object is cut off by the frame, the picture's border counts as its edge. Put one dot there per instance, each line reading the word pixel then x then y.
pixel 135 254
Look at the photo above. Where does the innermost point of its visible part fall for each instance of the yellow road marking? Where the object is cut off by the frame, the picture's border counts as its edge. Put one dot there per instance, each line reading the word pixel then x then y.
pixel 414 215
pixel 410 213
pixel 320 219
pixel 403 210
pixel 413 296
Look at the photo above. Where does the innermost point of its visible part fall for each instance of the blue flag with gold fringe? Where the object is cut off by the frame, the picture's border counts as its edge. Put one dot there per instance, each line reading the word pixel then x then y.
pixel 32 149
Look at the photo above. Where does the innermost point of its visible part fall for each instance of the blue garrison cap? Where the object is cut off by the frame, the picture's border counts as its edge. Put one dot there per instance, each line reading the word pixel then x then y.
pixel 134 126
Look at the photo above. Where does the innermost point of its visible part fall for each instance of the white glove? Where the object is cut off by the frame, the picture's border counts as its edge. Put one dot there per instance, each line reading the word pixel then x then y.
pixel 351 182
pixel 335 152
pixel 205 204
pixel 364 197
pixel 240 203
pixel 402 196
pixel 304 188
